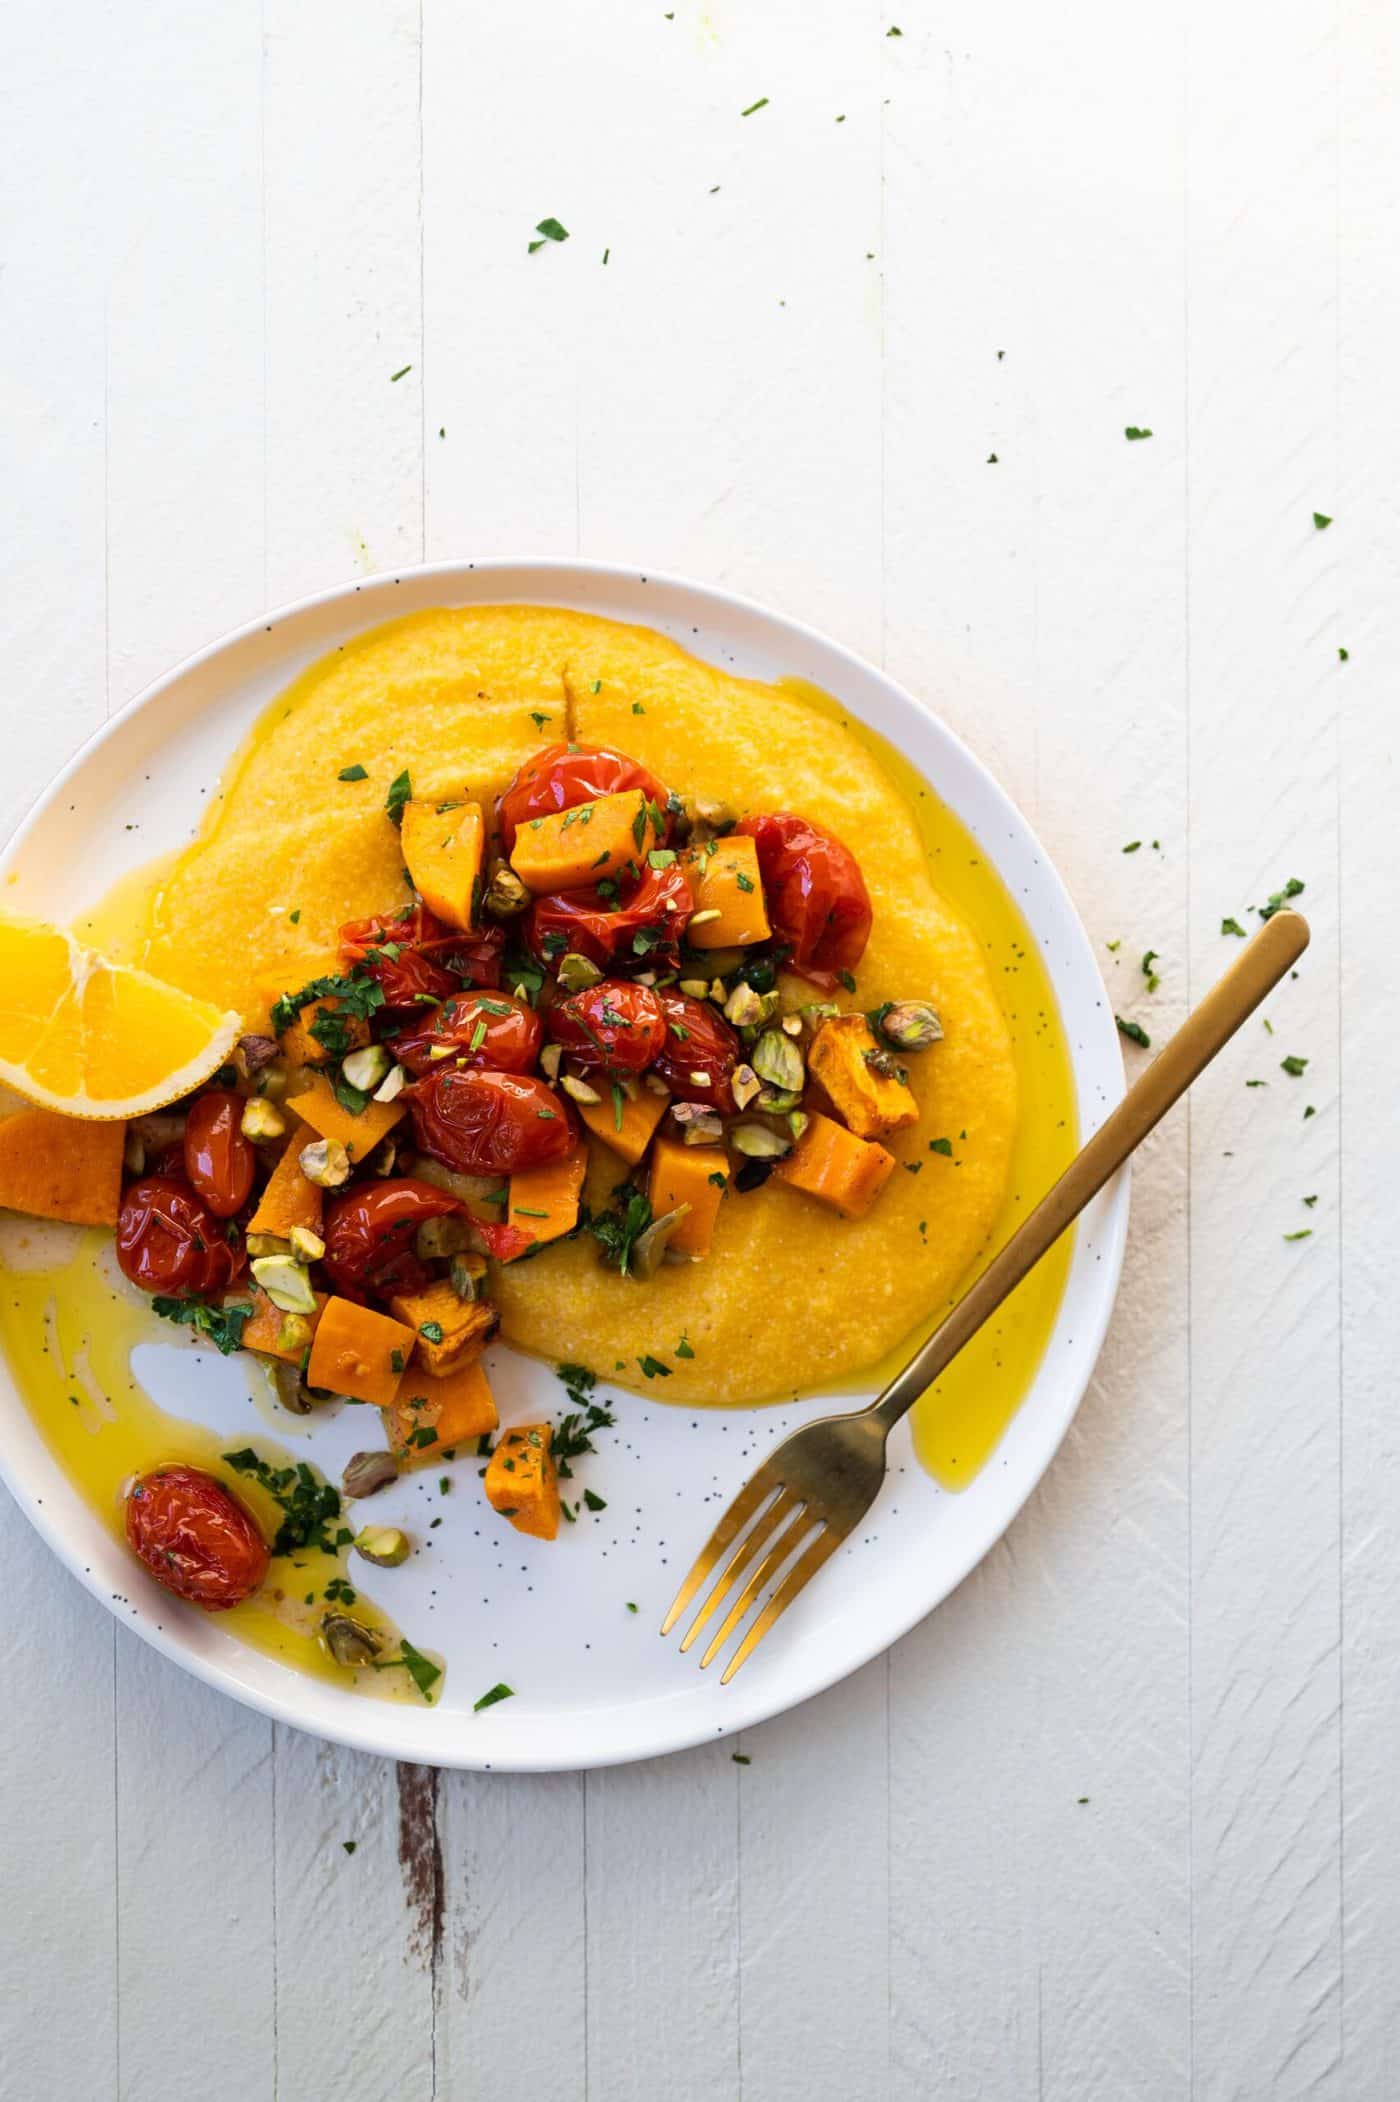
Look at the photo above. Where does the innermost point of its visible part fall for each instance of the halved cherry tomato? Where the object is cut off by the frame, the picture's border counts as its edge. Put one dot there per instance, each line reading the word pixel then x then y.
pixel 168 1240
pixel 488 1123
pixel 645 926
pixel 219 1161
pixel 195 1537
pixel 479 1029
pixel 615 1026
pixel 815 893
pixel 564 775
pixel 417 957
pixel 369 1236
pixel 698 1040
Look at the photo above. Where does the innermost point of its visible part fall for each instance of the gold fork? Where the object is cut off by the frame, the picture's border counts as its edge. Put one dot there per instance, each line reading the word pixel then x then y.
pixel 814 1488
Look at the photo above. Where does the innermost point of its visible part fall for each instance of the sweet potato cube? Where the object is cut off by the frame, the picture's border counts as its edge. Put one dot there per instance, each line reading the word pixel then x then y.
pixel 626 1124
pixel 697 1176
pixel 288 1199
pixel 451 1331
pixel 359 1135
pixel 543 1202
pixel 572 849
pixel 521 1481
pixel 443 848
pixel 61 1168
pixel 274 1334
pixel 868 1086
pixel 455 1407
pixel 359 1353
pixel 724 877
pixel 832 1164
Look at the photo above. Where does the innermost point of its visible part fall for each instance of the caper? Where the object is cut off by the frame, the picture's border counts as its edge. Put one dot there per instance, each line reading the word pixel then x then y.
pixel 777 1060
pixel 349 1641
pixel 367 1472
pixel 577 973
pixel 912 1024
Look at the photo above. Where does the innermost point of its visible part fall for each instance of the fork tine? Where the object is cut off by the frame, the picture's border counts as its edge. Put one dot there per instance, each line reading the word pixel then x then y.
pixel 779 1511
pixel 772 1562
pixel 819 1550
pixel 738 1515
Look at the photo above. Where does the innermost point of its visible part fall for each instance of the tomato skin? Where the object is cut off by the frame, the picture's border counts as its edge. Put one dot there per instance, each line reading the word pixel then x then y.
pixel 708 1046
pixel 195 1537
pixel 433 960
pixel 816 896
pixel 604 929
pixel 369 1236
pixel 168 1240
pixel 488 1123
pixel 219 1161
pixel 612 1027
pixel 563 775
pixel 511 1044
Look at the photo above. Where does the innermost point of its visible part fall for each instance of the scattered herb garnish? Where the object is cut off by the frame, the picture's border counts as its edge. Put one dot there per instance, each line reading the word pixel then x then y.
pixel 357 992
pixel 742 1758
pixel 683 1349
pixel 400 374
pixel 1136 430
pixel 653 1367
pixel 762 103
pixel 1132 846
pixel 352 773
pixel 1133 1031
pixel 618 1230
pixel 1321 521
pixel 499 1692
pixel 400 792
pixel 1304 1233
pixel 223 1325
pixel 308 1503
pixel 1291 889
pixel 549 230
pixel 1232 927
pixel 1153 980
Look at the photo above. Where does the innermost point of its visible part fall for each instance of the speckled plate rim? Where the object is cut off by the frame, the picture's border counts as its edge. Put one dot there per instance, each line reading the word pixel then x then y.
pixel 600 1736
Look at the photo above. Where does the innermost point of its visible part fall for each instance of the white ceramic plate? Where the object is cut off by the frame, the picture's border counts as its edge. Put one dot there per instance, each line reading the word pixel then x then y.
pixel 594 1685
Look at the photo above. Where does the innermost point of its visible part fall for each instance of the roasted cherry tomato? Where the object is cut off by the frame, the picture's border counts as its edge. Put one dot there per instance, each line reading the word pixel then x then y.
pixel 219 1161
pixel 815 893
pixel 643 926
pixel 195 1537
pixel 564 775
pixel 616 1026
pixel 168 1240
pixel 416 957
pixel 488 1123
pixel 698 1040
pixel 479 1029
pixel 369 1234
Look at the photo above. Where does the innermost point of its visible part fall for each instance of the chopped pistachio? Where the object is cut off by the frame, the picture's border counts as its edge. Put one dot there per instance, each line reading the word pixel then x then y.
pixel 466 1282
pixel 392 1085
pixel 699 1125
pixel 695 988
pixel 306 1246
pixel 703 919
pixel 579 1090
pixel 285 1282
pixel 578 973
pixel 260 1120
pixel 272 1083
pixel 912 1024
pixel 505 893
pixel 384 1545
pixel 798 1120
pixel 267 1244
pixel 367 1472
pixel 744 1084
pixel 778 1100
pixel 654 1084
pixel 777 1060
pixel 326 1163
pixel 757 1142
pixel 550 1059
pixel 649 1248
pixel 349 1641
pixel 792 1025
pixel 699 1079
pixel 365 1068
pixel 718 991
pixel 743 1008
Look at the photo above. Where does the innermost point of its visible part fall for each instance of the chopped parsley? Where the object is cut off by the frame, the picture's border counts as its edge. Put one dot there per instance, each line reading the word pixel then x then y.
pixel 352 773
pixel 222 1325
pixel 549 230
pixel 1136 430
pixel 683 1349
pixel 1133 1031
pixel 653 1367
pixel 742 1758
pixel 618 1230
pixel 431 1331
pixel 1321 521
pixel 1232 927
pixel 499 1692
pixel 943 1146
pixel 539 720
pixel 594 1501
pixel 847 979
pixel 744 882
pixel 1153 980
pixel 762 103
pixel 402 373
pixel 357 992
pixel 1304 1233
pixel 308 1503
pixel 1291 889
pixel 1294 1065
pixel 400 792
pixel 1132 846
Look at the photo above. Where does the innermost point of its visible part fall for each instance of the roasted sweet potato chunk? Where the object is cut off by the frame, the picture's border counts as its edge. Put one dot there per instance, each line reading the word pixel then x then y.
pixel 522 1483
pixel 868 1086
pixel 450 1331
pixel 61 1168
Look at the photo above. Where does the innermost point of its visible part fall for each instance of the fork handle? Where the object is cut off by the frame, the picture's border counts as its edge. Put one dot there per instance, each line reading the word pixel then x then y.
pixel 1272 951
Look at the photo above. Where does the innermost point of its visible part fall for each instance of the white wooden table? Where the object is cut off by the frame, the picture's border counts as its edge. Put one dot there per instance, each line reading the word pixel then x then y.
pixel 1122 1819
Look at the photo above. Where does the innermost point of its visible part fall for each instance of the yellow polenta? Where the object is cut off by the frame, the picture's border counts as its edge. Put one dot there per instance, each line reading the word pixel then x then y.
pixel 791 1296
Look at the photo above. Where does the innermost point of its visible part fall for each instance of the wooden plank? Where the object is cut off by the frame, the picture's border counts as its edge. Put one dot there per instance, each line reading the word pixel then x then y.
pixel 1040 1942
pixel 344 492
pixel 1262 458
pixel 56 1758
pixel 1367 559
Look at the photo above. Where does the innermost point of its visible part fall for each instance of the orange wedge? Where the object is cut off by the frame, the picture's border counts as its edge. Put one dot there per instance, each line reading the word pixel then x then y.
pixel 90 1038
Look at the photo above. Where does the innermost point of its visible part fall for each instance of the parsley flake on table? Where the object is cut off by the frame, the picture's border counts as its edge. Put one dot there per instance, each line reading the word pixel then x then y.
pixel 1343 655
pixel 762 103
pixel 549 230
pixel 1294 1065
pixel 1132 846
pixel 402 373
pixel 1291 889
pixel 1310 1202
pixel 1153 979
pixel 1232 927
pixel 1321 521
pixel 1304 1233
pixel 1133 1031
pixel 1136 430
